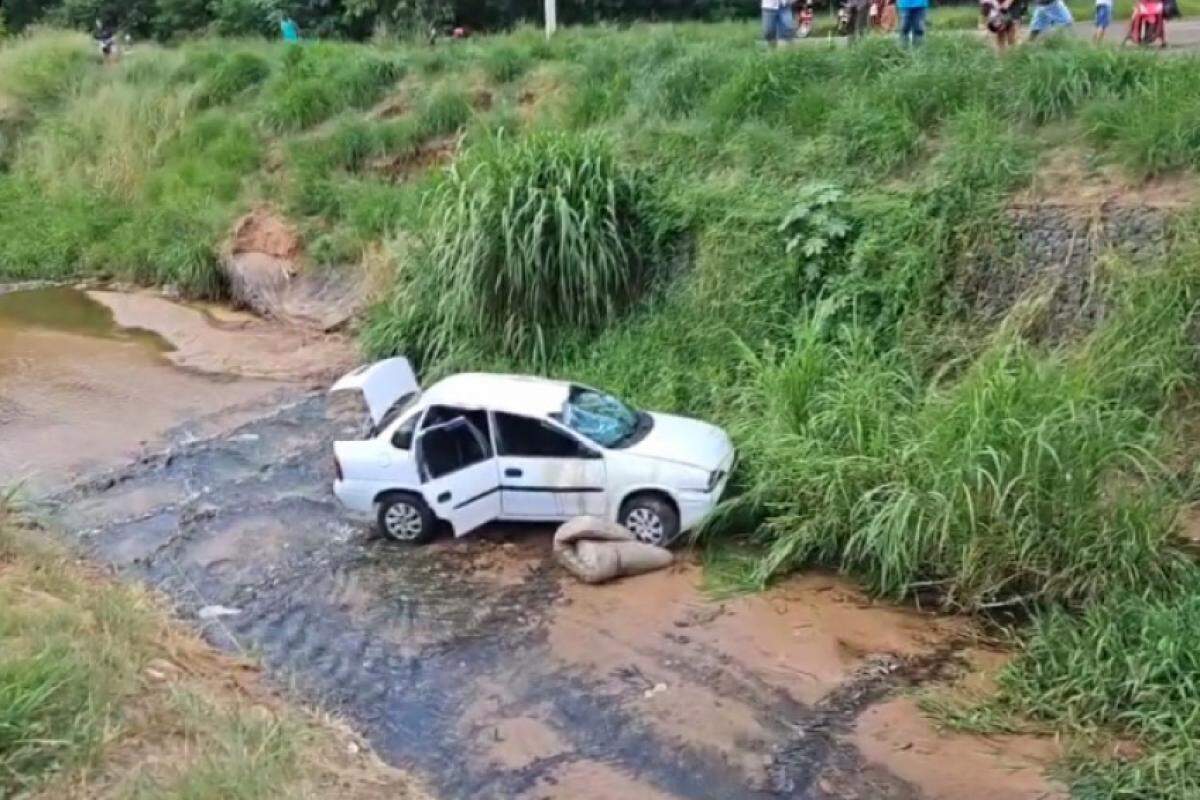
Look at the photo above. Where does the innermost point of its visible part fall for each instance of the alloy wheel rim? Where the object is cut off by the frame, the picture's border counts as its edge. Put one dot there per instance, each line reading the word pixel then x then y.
pixel 646 525
pixel 403 522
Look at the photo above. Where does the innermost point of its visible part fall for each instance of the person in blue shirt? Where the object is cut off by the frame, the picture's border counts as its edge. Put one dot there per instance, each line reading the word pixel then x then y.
pixel 912 20
pixel 290 30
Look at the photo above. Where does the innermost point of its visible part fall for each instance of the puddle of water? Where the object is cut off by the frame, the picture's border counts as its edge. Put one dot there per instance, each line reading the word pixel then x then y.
pixel 79 391
pixel 68 310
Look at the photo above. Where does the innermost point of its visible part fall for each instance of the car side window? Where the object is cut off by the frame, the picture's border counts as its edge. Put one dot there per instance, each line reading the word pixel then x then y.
pixel 451 447
pixel 437 415
pixel 533 438
pixel 402 438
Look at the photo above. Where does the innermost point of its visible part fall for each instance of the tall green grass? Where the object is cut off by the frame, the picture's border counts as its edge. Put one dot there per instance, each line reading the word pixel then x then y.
pixel 529 241
pixel 1124 667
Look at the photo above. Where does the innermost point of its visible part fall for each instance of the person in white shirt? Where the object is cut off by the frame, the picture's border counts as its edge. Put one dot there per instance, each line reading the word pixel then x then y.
pixel 778 23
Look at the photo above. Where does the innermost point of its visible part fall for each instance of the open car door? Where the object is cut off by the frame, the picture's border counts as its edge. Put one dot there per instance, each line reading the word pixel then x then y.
pixel 459 474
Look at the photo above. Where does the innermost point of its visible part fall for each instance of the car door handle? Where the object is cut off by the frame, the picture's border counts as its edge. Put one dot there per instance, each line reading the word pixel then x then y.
pixel 444 497
pixel 513 472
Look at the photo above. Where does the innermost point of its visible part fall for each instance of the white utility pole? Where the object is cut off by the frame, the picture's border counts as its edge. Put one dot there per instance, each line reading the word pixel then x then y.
pixel 551 17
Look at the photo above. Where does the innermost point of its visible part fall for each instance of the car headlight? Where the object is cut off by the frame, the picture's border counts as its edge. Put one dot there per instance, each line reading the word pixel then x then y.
pixel 714 478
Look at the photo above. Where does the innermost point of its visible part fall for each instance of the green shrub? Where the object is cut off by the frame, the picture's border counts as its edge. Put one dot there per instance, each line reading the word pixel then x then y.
pixel 1125 666
pixel 234 75
pixel 505 63
pixel 245 17
pixel 43 69
pixel 444 110
pixel 320 80
pixel 43 698
pixel 530 240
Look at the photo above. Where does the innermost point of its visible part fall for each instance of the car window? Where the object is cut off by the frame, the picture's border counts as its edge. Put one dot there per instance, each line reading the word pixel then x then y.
pixel 603 418
pixel 402 438
pixel 437 415
pixel 393 413
pixel 533 438
pixel 451 447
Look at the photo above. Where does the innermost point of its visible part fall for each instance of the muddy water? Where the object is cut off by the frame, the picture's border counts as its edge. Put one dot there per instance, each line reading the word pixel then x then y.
pixel 478 664
pixel 79 392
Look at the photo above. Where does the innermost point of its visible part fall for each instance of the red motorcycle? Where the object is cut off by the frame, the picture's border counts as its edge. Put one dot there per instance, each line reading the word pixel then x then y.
pixel 1149 23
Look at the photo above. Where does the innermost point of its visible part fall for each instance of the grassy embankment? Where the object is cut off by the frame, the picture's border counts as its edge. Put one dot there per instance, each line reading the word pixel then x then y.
pixel 772 241
pixel 104 696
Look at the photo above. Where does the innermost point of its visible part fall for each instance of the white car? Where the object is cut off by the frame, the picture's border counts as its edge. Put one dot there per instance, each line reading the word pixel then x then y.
pixel 474 448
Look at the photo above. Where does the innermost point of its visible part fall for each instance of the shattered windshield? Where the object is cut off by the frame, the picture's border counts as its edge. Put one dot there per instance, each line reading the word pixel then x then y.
pixel 600 417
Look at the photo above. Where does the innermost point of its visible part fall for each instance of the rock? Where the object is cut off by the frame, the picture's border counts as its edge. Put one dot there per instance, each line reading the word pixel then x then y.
pixel 216 612
pixel 161 670
pixel 265 267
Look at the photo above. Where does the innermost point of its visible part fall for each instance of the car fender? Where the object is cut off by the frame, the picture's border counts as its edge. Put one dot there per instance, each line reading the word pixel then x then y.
pixel 628 491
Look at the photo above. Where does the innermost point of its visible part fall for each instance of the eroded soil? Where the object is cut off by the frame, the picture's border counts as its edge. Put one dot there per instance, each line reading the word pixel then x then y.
pixel 477 662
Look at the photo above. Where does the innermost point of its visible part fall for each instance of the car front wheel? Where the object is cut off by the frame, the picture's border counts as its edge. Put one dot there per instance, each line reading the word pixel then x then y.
pixel 405 518
pixel 651 518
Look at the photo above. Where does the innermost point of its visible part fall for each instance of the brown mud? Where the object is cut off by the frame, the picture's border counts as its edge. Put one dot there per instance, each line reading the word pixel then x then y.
pixel 949 766
pixel 231 344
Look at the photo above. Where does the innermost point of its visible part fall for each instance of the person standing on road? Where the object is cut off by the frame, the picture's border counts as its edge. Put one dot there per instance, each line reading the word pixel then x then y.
pixel 777 22
pixel 1103 18
pixel 912 21
pixel 1049 14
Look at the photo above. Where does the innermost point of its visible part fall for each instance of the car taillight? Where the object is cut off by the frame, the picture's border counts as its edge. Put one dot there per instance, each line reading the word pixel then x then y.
pixel 337 468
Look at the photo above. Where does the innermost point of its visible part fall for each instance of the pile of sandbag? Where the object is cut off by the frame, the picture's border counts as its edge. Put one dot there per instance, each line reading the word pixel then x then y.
pixel 596 550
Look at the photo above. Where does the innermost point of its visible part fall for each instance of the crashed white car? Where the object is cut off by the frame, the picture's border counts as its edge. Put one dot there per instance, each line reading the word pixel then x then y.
pixel 474 448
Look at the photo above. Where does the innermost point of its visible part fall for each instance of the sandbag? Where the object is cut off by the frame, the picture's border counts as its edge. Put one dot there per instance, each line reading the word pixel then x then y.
pixel 596 550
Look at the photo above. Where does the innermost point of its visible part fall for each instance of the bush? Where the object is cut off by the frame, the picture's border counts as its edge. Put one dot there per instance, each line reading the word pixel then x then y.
pixel 231 77
pixel 1033 478
pixel 320 80
pixel 505 63
pixel 530 240
pixel 174 18
pixel 1128 666
pixel 245 17
pixel 43 69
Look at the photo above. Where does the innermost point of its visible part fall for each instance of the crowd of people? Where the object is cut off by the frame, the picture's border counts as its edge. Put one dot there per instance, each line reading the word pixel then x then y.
pixel 1001 18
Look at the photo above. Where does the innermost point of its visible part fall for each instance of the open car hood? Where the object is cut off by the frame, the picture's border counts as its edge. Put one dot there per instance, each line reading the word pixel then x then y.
pixel 381 384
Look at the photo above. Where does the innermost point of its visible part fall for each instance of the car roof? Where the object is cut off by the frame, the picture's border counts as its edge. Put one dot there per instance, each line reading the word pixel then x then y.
pixel 514 394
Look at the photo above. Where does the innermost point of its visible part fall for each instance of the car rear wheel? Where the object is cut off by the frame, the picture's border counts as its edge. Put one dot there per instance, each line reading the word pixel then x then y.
pixel 405 518
pixel 651 518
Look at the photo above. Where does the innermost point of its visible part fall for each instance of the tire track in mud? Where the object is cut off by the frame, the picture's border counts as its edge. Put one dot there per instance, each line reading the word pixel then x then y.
pixel 404 642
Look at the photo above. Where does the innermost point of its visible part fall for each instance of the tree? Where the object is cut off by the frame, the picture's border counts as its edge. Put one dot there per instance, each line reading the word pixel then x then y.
pixel 19 14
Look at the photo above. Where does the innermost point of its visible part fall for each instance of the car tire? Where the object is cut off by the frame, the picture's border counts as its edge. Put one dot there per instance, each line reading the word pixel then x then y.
pixel 651 518
pixel 405 518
